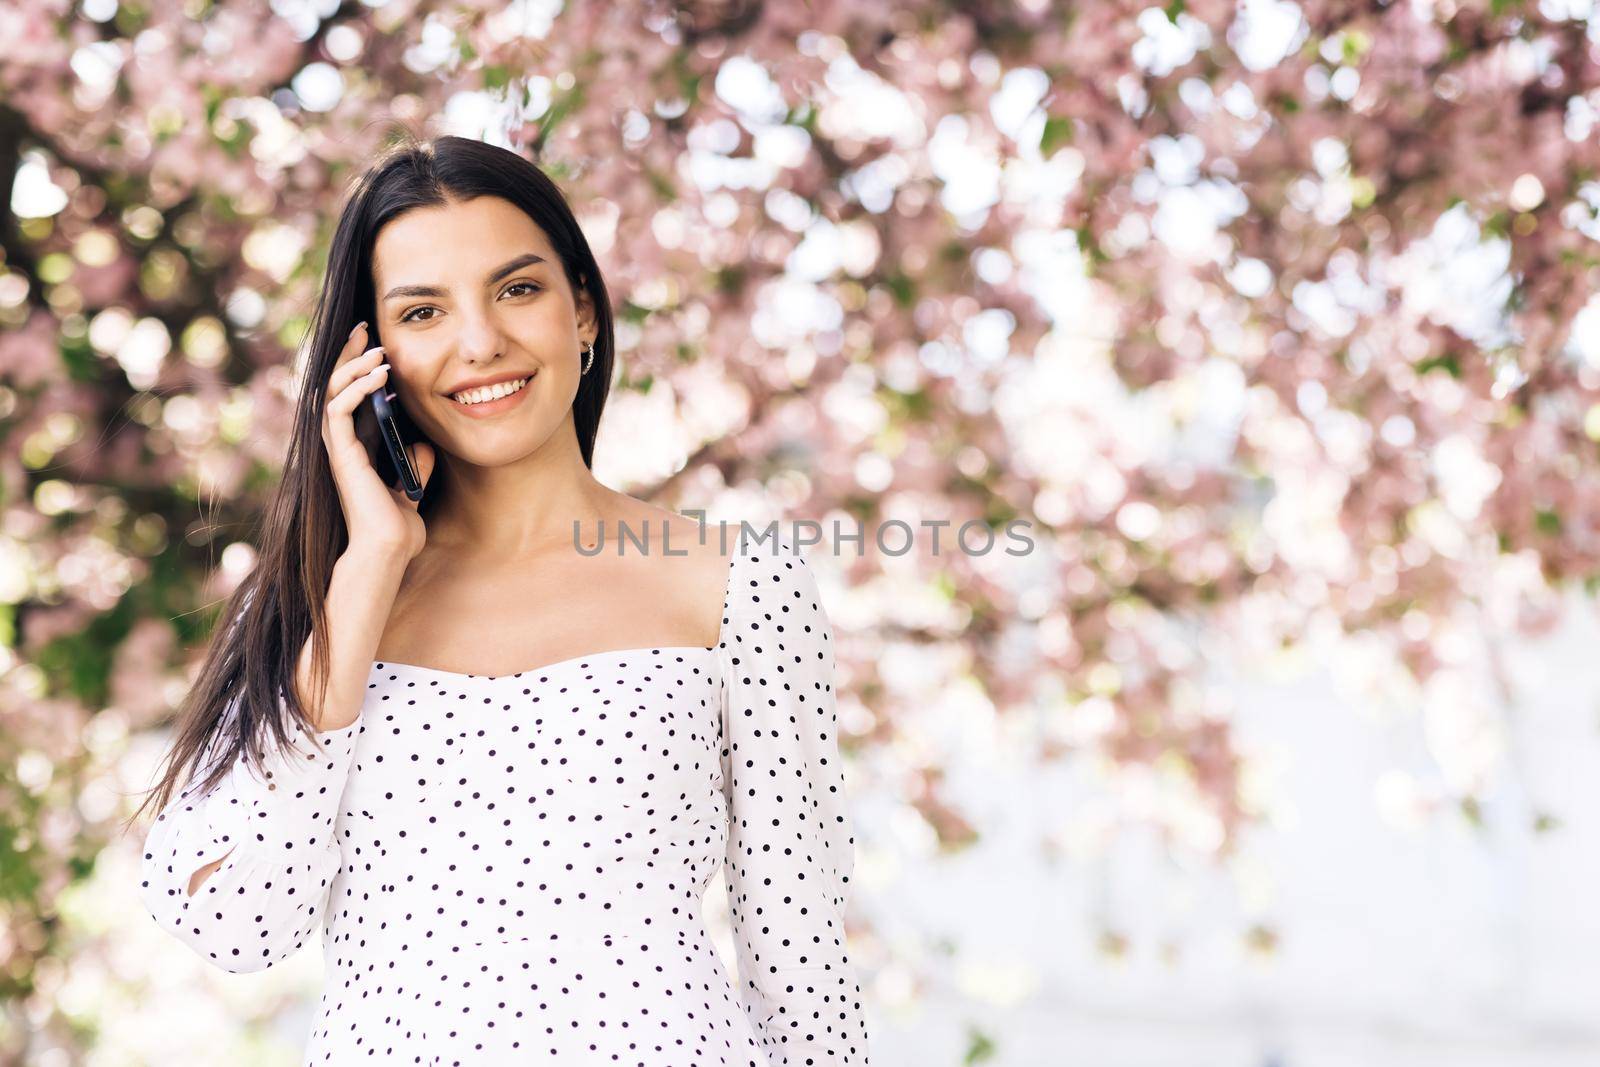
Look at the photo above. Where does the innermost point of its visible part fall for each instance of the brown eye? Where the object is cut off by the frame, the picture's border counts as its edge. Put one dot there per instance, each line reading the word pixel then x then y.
pixel 410 315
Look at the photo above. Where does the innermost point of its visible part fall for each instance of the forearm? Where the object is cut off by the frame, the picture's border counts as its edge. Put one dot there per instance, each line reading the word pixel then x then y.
pixel 360 596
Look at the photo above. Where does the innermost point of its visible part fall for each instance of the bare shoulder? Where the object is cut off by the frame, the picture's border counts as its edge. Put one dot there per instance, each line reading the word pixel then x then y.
pixel 684 559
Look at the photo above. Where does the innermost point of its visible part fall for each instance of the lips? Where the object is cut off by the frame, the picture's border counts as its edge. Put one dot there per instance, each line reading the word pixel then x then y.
pixel 476 392
pixel 480 383
pixel 491 408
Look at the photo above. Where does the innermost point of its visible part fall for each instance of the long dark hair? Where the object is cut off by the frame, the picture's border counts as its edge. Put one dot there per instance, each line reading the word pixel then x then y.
pixel 245 693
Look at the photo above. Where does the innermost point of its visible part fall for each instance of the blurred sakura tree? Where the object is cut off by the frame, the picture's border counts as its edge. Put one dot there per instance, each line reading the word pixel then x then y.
pixel 1273 319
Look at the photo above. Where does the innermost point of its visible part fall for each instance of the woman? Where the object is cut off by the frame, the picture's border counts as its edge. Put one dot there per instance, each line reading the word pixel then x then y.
pixel 507 847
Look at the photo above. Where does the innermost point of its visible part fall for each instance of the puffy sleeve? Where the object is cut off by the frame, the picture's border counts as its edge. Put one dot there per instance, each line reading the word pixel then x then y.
pixel 790 846
pixel 277 831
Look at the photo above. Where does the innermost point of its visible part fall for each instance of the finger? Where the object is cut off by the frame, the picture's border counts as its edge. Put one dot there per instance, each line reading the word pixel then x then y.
pixel 354 392
pixel 356 344
pixel 339 423
pixel 350 369
pixel 353 344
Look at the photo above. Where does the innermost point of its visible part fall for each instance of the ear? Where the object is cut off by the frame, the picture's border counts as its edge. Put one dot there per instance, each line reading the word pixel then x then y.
pixel 587 326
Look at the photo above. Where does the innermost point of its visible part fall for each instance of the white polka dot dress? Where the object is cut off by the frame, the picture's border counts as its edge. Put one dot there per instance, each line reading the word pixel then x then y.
pixel 510 869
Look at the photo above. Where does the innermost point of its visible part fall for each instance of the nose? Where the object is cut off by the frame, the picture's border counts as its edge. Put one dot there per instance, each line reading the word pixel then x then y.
pixel 480 340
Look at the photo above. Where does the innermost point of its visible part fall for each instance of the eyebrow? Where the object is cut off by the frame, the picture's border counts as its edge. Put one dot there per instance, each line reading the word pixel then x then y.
pixel 527 259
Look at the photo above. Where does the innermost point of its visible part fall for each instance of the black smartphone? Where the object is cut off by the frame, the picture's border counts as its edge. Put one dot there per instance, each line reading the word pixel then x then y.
pixel 384 410
pixel 384 428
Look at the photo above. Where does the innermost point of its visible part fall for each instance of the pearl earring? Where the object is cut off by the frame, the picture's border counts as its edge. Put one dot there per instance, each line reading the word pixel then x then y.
pixel 588 362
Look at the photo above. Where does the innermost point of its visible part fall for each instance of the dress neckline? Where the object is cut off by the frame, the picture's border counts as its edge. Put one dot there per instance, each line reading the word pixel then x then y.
pixel 583 660
pixel 727 597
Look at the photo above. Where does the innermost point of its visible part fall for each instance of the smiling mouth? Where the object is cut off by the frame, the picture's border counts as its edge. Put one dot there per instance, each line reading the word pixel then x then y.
pixel 490 393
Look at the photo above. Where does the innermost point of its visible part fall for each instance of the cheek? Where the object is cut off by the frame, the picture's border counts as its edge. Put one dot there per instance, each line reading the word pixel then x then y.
pixel 413 381
pixel 534 330
pixel 403 381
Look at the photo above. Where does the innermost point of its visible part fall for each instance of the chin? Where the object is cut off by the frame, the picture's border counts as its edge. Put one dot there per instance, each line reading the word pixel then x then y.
pixel 497 442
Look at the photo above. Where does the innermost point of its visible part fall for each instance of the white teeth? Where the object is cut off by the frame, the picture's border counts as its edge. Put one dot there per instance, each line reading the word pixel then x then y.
pixel 489 392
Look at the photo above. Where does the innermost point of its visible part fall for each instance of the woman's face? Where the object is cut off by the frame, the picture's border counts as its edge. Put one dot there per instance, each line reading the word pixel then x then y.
pixel 461 300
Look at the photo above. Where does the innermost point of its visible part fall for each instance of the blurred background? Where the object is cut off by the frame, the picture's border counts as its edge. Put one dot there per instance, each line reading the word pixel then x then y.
pixel 1275 321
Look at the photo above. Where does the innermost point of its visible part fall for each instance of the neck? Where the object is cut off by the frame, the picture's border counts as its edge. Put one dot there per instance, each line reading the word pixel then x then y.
pixel 519 509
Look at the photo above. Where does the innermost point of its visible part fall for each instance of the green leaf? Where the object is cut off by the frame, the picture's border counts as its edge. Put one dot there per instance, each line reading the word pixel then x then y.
pixel 663 187
pixel 902 288
pixel 916 405
pixel 80 360
pixel 1356 45
pixel 80 663
pixel 1090 247
pixel 980 1047
pixel 1057 134
pixel 1447 363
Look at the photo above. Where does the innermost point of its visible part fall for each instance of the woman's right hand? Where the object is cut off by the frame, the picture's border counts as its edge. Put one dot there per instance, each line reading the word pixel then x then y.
pixel 377 517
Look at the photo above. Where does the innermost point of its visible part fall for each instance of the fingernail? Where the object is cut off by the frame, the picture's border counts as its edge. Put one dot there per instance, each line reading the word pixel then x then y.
pixel 379 367
pixel 358 326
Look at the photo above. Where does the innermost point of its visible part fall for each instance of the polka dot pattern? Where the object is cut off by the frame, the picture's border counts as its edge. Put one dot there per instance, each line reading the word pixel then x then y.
pixel 512 868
